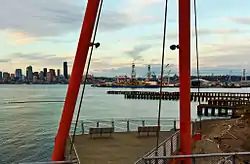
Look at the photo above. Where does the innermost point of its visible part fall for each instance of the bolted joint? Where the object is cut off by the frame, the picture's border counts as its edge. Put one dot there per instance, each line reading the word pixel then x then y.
pixel 95 44
pixel 173 47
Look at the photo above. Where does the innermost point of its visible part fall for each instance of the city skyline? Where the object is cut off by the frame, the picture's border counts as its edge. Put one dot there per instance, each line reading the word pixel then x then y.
pixel 129 31
pixel 23 70
pixel 29 75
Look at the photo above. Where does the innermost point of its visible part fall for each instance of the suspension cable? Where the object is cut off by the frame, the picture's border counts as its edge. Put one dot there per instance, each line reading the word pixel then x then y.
pixel 162 71
pixel 86 75
pixel 197 54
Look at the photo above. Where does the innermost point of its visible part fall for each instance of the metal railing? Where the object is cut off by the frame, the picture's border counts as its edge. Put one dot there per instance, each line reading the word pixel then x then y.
pixel 214 158
pixel 125 125
pixel 130 124
pixel 55 162
pixel 72 157
pixel 166 148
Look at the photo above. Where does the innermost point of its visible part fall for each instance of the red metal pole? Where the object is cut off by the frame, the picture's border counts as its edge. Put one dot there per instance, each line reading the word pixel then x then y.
pixel 184 73
pixel 75 79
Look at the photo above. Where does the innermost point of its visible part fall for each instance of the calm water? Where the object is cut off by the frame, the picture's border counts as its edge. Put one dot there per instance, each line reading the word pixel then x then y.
pixel 27 131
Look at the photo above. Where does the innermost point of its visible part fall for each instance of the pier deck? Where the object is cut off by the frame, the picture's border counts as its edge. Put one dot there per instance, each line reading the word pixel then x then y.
pixel 194 96
pixel 122 148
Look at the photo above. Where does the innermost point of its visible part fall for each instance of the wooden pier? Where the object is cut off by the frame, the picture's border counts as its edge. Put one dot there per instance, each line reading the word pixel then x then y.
pixel 195 96
pixel 219 104
pixel 223 108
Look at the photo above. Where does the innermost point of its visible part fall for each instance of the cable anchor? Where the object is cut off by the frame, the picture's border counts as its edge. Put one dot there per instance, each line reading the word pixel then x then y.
pixel 95 44
pixel 173 47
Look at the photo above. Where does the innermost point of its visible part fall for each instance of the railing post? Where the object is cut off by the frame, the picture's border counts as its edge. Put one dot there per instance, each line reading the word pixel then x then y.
pixel 175 125
pixel 143 122
pixel 193 160
pixel 164 149
pixel 113 124
pixel 82 127
pixel 165 152
pixel 193 127
pixel 128 126
pixel 156 154
pixel 97 124
pixel 234 162
pixel 171 145
pixel 178 142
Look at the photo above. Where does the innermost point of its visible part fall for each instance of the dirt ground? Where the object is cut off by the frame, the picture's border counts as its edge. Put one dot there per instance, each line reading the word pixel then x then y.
pixel 227 135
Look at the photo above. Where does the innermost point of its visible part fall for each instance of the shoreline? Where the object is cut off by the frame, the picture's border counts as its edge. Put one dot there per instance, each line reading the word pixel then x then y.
pixel 223 136
pixel 115 87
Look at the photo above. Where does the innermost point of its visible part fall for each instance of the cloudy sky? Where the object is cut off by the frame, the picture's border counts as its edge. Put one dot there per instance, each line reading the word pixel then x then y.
pixel 44 33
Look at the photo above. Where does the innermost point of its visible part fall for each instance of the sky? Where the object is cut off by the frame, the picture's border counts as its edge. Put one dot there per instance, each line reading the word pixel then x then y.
pixel 45 33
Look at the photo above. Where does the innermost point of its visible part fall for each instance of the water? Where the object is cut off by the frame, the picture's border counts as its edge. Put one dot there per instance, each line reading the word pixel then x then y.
pixel 27 131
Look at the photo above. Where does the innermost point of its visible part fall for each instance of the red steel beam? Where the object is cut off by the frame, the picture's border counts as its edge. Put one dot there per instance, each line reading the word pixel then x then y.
pixel 184 73
pixel 75 79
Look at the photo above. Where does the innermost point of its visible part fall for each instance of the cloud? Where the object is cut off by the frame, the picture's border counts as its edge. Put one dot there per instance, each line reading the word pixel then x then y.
pixel 241 20
pixel 141 70
pixel 136 52
pixel 37 60
pixel 40 18
pixel 16 34
pixel 25 40
pixel 217 58
pixel 5 60
pixel 58 17
pixel 201 32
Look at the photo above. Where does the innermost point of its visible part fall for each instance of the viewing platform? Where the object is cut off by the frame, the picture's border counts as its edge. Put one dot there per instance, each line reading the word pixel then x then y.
pixel 120 148
pixel 122 141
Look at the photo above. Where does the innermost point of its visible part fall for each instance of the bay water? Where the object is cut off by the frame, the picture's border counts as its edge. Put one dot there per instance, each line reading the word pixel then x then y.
pixel 27 130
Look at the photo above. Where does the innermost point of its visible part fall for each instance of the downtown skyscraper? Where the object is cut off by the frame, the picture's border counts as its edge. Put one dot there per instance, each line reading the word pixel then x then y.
pixel 65 70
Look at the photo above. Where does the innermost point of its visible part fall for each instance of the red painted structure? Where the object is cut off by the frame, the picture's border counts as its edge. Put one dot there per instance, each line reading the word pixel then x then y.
pixel 184 71
pixel 75 79
pixel 78 68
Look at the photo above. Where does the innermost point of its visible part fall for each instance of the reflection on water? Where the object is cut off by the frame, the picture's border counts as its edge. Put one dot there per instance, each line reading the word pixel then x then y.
pixel 27 130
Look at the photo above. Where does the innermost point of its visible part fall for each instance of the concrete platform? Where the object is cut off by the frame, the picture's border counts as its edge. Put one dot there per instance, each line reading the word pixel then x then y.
pixel 122 148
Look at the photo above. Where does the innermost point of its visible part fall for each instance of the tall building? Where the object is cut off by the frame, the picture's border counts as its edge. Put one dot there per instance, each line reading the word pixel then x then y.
pixel 52 74
pixel 1 76
pixel 29 73
pixel 18 74
pixel 58 72
pixel 36 74
pixel 65 70
pixel 12 77
pixel 41 75
pixel 49 77
pixel 58 75
pixel 45 70
pixel 6 76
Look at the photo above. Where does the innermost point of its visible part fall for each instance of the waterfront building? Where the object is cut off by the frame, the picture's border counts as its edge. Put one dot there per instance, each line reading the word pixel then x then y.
pixel 18 74
pixel 45 70
pixel 52 74
pixel 12 77
pixel 6 76
pixel 41 75
pixel 34 79
pixel 49 77
pixel 36 74
pixel 65 70
pixel 58 72
pixel 58 75
pixel 29 73
pixel 1 76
